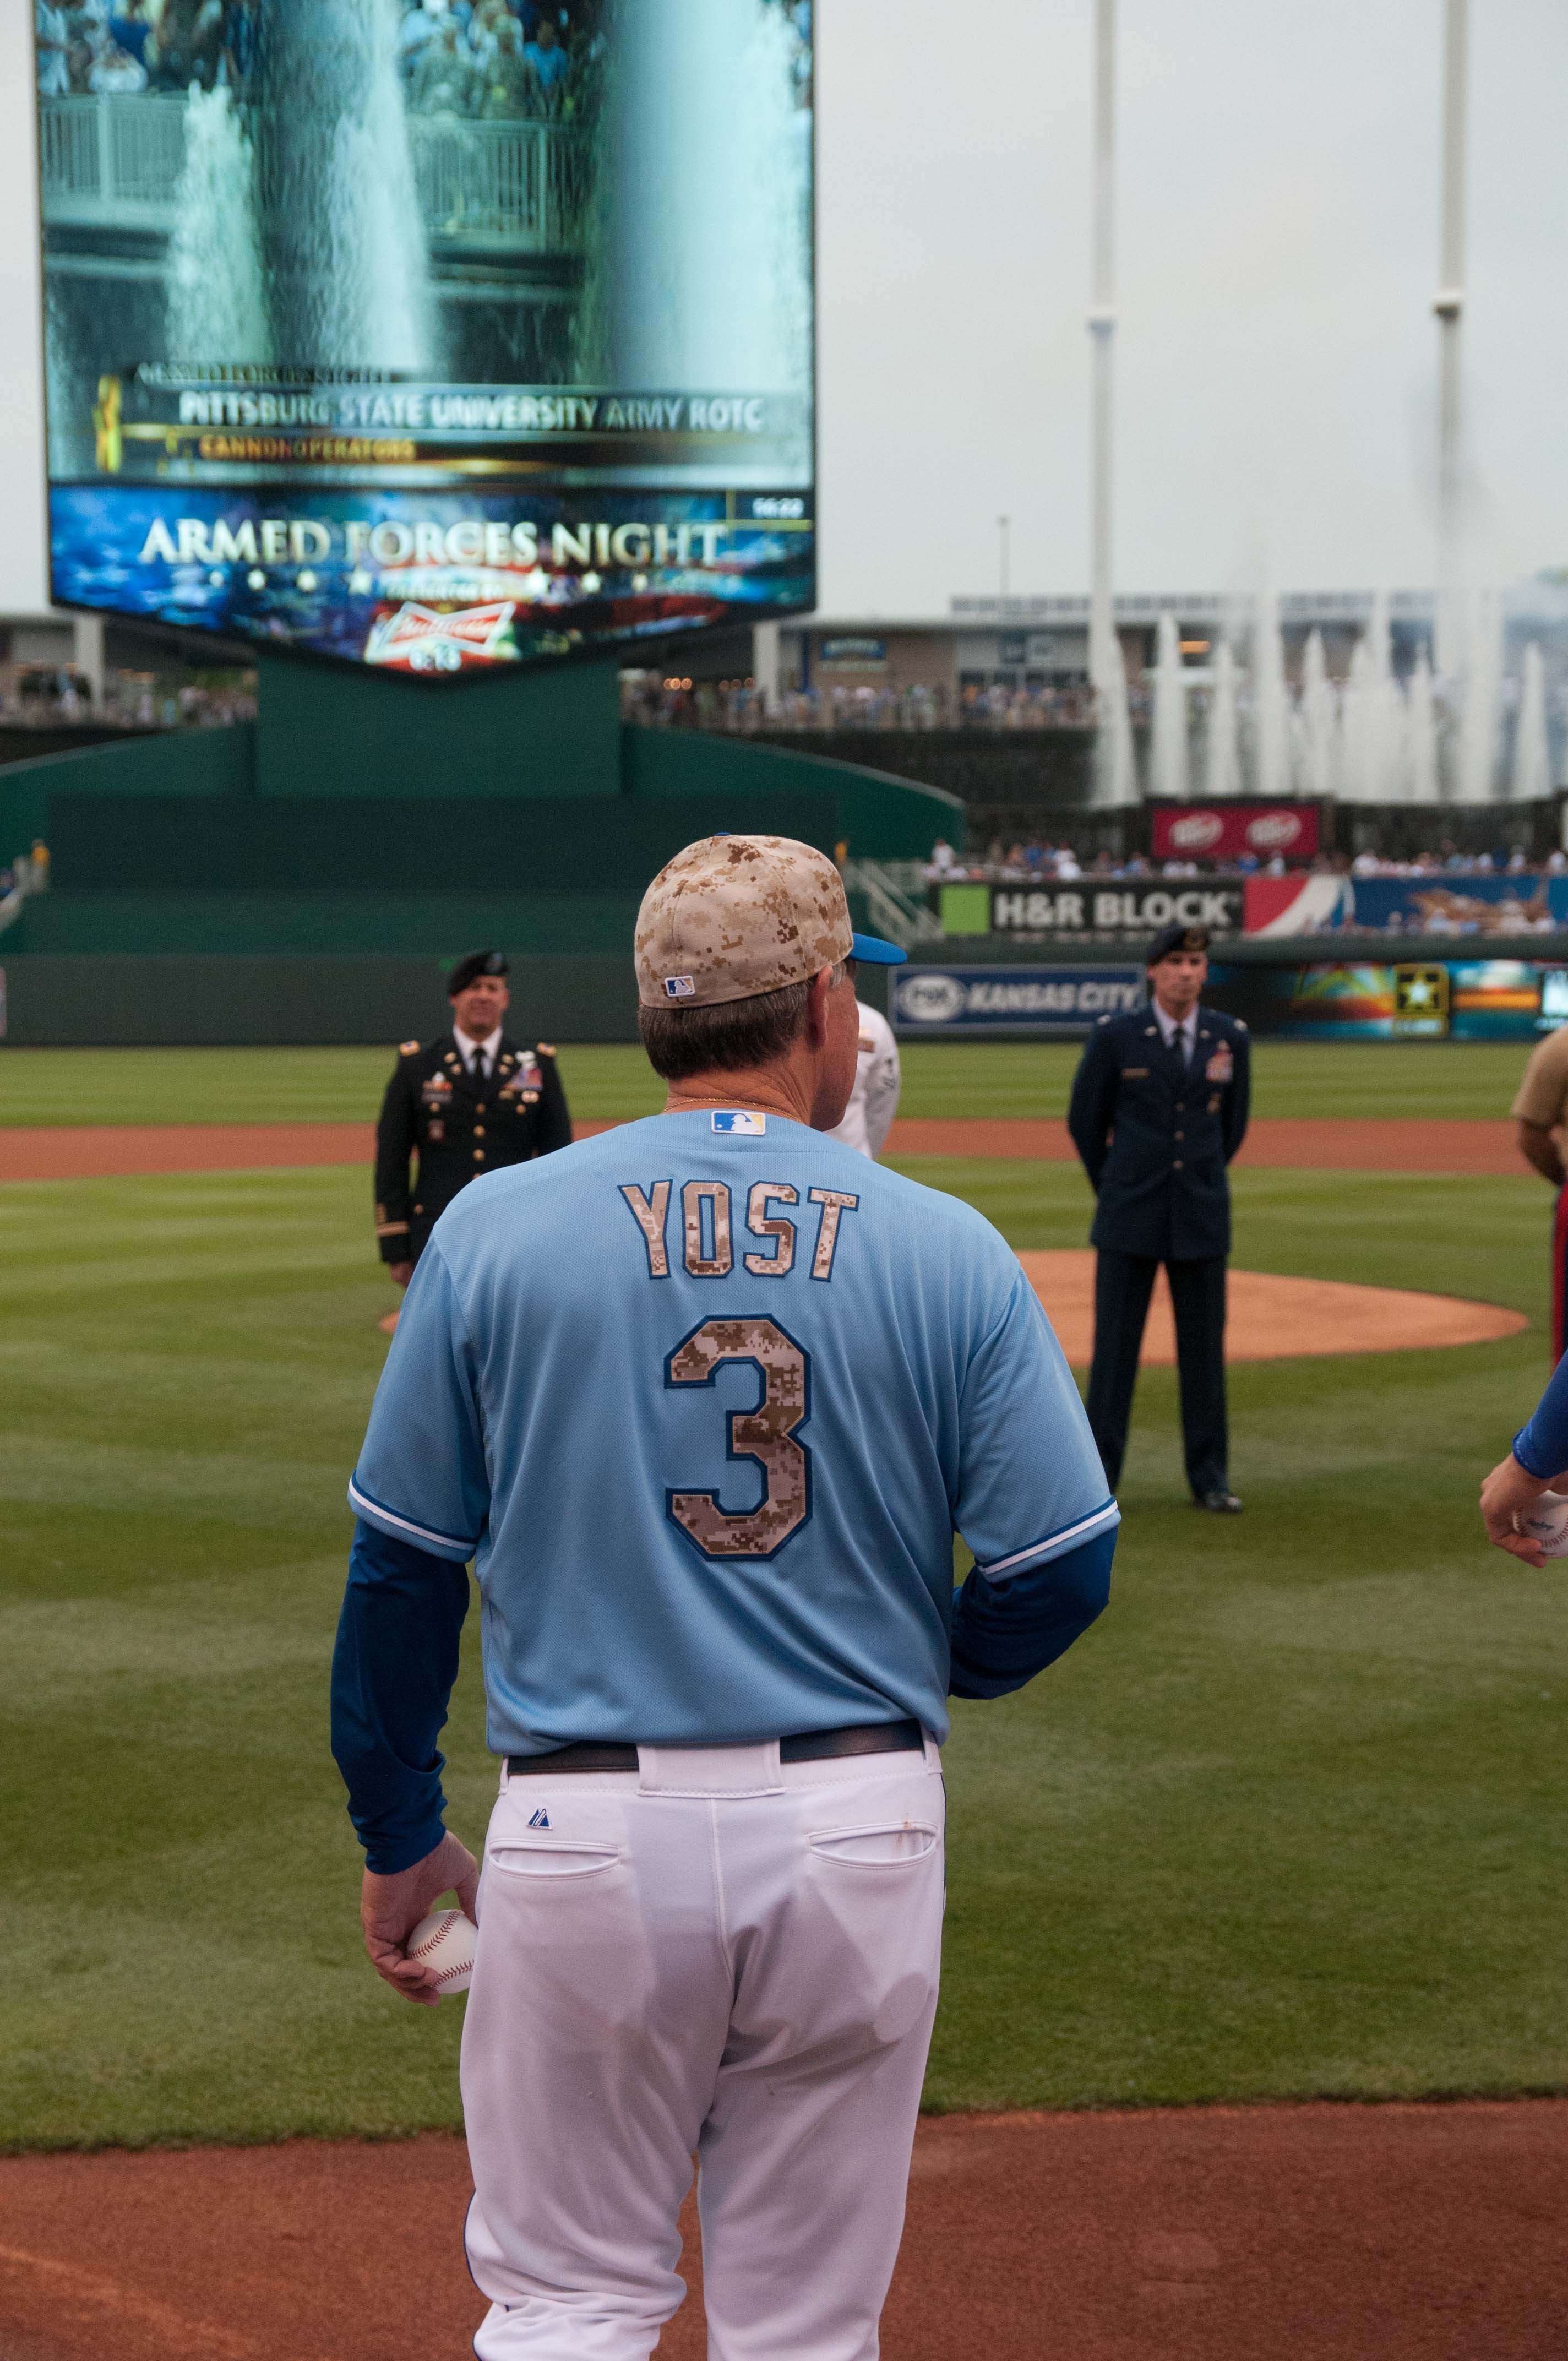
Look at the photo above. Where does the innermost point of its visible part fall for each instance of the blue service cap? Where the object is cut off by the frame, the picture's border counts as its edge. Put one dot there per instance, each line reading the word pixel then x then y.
pixel 875 952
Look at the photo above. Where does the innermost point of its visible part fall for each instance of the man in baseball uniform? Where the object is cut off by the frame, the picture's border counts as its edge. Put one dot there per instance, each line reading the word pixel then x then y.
pixel 1540 1112
pixel 873 1101
pixel 705 1399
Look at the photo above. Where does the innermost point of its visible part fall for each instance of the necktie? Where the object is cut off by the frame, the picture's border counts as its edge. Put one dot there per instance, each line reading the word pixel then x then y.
pixel 481 1068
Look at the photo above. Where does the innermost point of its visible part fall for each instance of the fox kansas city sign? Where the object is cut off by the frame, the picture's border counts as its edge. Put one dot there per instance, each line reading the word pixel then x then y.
pixel 1089 909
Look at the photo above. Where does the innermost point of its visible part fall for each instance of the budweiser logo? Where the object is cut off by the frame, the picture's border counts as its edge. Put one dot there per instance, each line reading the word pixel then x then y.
pixel 423 640
pixel 1195 831
pixel 1274 831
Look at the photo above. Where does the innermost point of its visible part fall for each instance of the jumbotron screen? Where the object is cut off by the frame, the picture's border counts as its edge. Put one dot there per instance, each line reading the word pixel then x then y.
pixel 430 333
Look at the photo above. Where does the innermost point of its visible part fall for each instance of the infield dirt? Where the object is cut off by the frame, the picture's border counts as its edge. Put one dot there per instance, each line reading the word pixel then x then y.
pixel 70 1152
pixel 1311 2233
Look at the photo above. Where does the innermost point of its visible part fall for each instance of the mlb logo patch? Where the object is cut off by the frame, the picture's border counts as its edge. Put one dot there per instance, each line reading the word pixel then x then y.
pixel 679 987
pixel 740 1119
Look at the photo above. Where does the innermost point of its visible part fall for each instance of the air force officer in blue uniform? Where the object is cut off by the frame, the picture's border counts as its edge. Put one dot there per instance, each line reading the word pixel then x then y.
pixel 1160 1107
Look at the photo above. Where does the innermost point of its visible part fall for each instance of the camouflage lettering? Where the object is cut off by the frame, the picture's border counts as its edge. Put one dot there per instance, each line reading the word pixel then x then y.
pixel 766 1434
pixel 761 1224
pixel 835 1204
pixel 650 1215
pixel 716 1265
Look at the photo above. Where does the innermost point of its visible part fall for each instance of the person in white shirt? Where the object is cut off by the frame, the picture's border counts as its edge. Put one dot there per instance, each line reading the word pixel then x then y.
pixel 874 1101
pixel 52 39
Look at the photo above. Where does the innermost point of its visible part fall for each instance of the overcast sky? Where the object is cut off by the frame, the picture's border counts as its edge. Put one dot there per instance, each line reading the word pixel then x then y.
pixel 1277 250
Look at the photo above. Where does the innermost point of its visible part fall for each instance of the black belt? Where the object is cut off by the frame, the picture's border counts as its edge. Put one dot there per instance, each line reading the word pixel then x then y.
pixel 810 1746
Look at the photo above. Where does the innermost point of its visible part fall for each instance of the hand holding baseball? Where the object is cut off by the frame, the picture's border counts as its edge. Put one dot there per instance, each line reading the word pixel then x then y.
pixel 1510 1494
pixel 391 1907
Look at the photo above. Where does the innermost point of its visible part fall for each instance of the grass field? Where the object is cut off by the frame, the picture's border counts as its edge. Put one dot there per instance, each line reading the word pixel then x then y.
pixel 1287 1821
pixel 610 1083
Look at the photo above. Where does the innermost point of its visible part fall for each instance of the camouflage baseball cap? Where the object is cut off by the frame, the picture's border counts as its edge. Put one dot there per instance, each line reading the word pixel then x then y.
pixel 735 916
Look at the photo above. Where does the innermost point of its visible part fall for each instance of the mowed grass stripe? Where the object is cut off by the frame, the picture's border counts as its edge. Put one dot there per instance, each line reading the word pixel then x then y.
pixel 612 1082
pixel 1286 1822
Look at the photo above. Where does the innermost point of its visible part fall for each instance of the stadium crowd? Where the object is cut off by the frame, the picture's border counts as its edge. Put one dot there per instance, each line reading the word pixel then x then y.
pixel 1039 862
pixel 485 60
pixel 476 58
pixel 94 47
pixel 741 707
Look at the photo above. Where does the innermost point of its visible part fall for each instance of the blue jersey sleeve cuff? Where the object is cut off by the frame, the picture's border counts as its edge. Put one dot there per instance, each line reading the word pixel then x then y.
pixel 406 1529
pixel 1526 1452
pixel 1054 1545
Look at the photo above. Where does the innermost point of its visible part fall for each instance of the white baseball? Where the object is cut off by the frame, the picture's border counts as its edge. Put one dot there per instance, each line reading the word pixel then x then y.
pixel 443 1944
pixel 1546 1521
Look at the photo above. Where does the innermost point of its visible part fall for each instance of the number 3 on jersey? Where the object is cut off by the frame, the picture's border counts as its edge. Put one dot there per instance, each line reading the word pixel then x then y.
pixel 766 1434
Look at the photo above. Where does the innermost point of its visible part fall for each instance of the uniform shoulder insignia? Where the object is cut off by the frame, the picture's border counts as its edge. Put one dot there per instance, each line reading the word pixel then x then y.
pixel 407 1049
pixel 1103 1020
pixel 545 1049
pixel 1239 1023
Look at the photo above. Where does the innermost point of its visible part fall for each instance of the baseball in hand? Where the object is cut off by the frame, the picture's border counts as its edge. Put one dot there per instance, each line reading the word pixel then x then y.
pixel 443 1945
pixel 1546 1521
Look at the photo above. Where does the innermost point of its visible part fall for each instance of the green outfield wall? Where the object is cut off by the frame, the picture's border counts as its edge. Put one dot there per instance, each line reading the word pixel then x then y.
pixel 135 1001
pixel 307 877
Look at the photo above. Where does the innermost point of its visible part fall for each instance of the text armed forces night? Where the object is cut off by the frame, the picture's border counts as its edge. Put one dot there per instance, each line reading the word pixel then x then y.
pixel 439 351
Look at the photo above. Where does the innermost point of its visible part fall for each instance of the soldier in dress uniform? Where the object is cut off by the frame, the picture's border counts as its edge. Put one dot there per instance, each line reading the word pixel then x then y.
pixel 1160 1107
pixel 471 1102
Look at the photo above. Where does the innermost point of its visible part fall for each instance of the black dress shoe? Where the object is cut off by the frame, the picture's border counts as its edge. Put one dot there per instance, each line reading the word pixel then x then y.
pixel 1222 1501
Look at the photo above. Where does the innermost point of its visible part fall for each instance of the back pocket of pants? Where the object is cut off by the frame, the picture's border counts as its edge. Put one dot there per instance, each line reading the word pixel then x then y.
pixel 878 1847
pixel 552 1860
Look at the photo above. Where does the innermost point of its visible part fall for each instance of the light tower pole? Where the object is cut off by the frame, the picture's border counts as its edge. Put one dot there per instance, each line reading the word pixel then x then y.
pixel 1449 305
pixel 1104 652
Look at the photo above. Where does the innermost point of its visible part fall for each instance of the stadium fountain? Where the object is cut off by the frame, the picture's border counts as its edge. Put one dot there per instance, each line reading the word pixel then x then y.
pixel 1374 738
pixel 1169 771
pixel 1221 750
pixel 338 221
pixel 1422 733
pixel 1477 697
pixel 217 287
pixel 700 257
pixel 1271 703
pixel 1531 774
pixel 1320 722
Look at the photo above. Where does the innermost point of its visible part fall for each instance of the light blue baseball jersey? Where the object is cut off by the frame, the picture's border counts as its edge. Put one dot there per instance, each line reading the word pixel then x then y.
pixel 705 1399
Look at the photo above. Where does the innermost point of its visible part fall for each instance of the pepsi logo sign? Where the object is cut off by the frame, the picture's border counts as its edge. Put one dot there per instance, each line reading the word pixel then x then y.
pixel 1196 831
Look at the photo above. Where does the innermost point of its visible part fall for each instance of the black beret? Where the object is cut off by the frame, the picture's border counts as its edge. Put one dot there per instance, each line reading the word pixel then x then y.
pixel 468 971
pixel 1175 939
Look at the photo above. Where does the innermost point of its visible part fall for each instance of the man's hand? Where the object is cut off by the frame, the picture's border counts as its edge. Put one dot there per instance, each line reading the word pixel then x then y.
pixel 391 1907
pixel 401 1272
pixel 1506 1490
pixel 1538 1147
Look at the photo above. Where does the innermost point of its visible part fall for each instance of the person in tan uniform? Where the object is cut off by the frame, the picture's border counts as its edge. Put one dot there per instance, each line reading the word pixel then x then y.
pixel 1541 1112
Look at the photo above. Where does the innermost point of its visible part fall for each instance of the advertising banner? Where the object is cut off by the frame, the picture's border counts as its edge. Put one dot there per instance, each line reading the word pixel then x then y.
pixel 1115 908
pixel 1224 831
pixel 1298 905
pixel 1028 1000
pixel 1420 1000
pixel 1509 905
pixel 434 338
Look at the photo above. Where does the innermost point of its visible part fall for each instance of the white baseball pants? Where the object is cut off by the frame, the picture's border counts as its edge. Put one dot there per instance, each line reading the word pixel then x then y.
pixel 716 1953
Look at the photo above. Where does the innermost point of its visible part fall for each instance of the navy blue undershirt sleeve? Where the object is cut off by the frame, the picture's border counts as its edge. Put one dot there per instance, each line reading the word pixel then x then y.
pixel 393 1671
pixel 1541 1446
pixel 1005 1632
